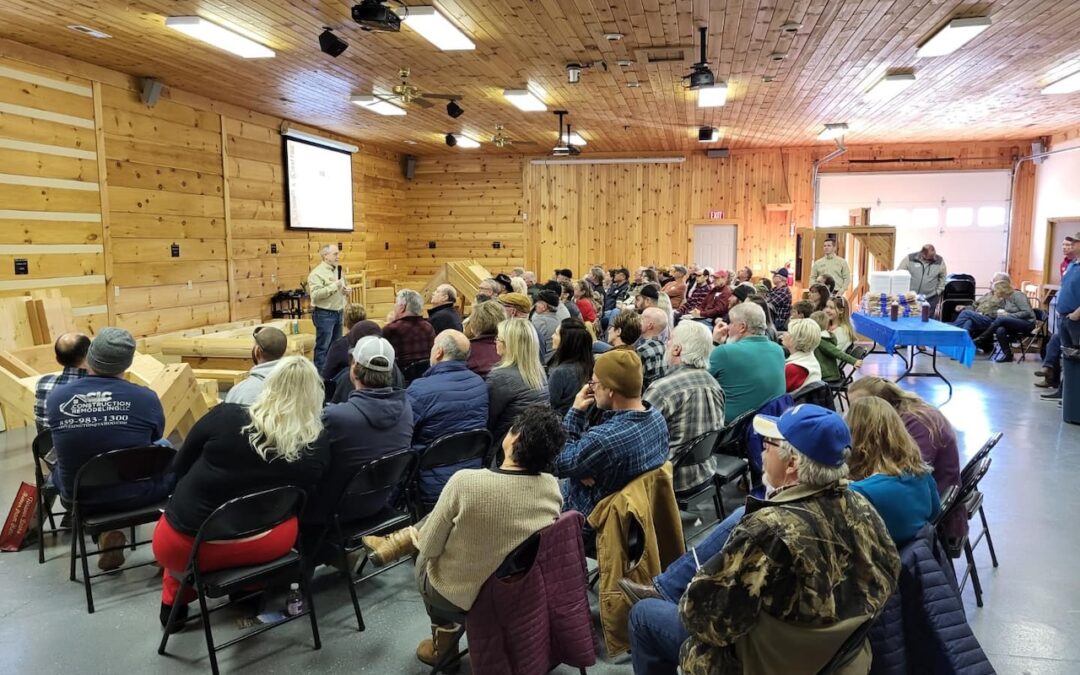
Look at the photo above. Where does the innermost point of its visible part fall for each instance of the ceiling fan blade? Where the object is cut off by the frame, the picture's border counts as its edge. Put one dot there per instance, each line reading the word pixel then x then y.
pixel 446 97
pixel 516 142
pixel 423 103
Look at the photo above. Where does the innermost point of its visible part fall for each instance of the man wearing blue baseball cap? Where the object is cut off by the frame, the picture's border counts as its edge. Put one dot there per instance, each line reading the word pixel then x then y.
pixel 787 579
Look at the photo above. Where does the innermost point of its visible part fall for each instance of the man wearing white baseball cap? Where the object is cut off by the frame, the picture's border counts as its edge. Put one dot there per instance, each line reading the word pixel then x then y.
pixel 800 571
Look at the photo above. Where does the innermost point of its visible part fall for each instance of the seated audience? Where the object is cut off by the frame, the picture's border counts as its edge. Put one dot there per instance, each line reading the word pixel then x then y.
pixel 480 518
pixel 888 470
pixel 517 306
pixel 564 275
pixel 818 295
pixel 489 289
pixel 801 310
pixel 770 327
pixel 572 364
pixel 337 355
pixel 517 285
pixel 583 299
pixel 504 284
pixel 618 290
pixel 70 350
pixel 446 399
pixel 517 380
pixel 689 398
pixel 630 439
pixel 717 300
pixel 1014 317
pixel 482 331
pixel 559 309
pixel 566 297
pixel 532 288
pixel 100 412
pixel 696 293
pixel 748 366
pixel 650 346
pixel 772 574
pixel 827 281
pixel 407 331
pixel 779 299
pixel 978 318
pixel 802 368
pixel 741 294
pixel 234 451
pixel 676 288
pixel 932 432
pixel 443 313
pixel 838 310
pixel 270 346
pixel 544 320
pixel 828 355
pixel 744 275
pixel 624 330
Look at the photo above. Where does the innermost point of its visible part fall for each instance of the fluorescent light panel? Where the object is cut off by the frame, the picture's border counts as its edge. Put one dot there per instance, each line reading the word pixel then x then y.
pixel 466 142
pixel 890 86
pixel 523 99
pixel 376 105
pixel 953 36
pixel 711 139
pixel 831 131
pixel 576 139
pixel 711 97
pixel 1065 85
pixel 436 29
pixel 222 38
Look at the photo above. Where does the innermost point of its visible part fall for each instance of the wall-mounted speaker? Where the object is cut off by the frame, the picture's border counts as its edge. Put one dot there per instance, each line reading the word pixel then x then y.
pixel 150 91
pixel 408 166
pixel 717 153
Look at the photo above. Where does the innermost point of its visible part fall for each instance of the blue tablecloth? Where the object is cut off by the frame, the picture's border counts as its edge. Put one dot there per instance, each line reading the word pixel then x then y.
pixel 948 339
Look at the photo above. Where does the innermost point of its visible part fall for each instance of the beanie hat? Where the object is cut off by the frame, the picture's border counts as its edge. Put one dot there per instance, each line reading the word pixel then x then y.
pixel 649 291
pixel 111 351
pixel 620 371
pixel 518 301
pixel 550 298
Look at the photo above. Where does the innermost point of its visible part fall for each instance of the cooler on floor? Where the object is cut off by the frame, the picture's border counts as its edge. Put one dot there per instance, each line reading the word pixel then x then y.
pixel 1070 385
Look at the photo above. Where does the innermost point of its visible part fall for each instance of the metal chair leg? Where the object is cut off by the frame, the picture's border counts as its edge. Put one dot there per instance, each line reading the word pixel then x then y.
pixel 206 627
pixel 41 526
pixel 360 627
pixel 133 539
pixel 305 588
pixel 86 575
pixel 989 541
pixel 76 533
pixel 974 573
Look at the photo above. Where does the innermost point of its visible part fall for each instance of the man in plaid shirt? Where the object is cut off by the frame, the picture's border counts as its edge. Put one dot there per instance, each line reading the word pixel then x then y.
pixel 630 439
pixel 70 351
pixel 650 347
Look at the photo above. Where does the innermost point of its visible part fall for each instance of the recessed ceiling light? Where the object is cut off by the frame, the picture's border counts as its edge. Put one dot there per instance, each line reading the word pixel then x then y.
pixel 890 86
pixel 466 142
pixel 376 105
pixel 633 85
pixel 953 36
pixel 218 36
pixel 833 130
pixel 711 97
pixel 777 56
pixel 613 36
pixel 436 29
pixel 767 78
pixel 790 27
pixel 523 99
pixel 625 63
pixel 576 139
pixel 91 32
pixel 1065 85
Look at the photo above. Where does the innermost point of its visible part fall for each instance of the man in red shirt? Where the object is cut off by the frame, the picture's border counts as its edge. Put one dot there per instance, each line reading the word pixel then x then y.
pixel 1067 248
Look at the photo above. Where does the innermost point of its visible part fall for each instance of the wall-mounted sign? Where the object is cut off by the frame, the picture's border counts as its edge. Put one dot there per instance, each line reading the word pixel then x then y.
pixel 716 214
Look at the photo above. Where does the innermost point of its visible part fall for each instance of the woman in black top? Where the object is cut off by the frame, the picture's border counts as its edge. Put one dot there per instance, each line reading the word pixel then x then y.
pixel 235 451
pixel 572 365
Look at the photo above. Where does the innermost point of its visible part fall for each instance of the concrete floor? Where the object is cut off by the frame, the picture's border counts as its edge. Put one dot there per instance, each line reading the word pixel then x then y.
pixel 1029 624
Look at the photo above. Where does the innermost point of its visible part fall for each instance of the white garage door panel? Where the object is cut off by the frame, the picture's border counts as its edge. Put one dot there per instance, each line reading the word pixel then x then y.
pixel 964 215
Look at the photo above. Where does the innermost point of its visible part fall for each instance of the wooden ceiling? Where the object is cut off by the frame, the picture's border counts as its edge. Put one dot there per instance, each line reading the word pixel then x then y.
pixel 987 90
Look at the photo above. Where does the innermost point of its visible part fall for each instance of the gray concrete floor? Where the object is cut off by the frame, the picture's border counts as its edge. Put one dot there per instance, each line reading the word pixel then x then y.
pixel 1029 624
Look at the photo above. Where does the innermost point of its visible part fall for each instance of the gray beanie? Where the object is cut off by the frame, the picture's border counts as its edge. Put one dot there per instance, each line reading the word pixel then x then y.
pixel 111 351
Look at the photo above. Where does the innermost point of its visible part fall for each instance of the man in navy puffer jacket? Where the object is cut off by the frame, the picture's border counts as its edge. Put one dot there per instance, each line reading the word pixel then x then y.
pixel 447 399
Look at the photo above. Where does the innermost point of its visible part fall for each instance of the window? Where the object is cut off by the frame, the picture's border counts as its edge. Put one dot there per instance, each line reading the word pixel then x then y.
pixel 892 217
pixel 991 216
pixel 832 217
pixel 925 217
pixel 959 216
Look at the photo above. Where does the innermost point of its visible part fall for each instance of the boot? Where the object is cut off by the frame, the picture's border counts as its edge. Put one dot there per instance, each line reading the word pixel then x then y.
pixel 111 559
pixel 391 547
pixel 1053 378
pixel 443 641
pixel 985 340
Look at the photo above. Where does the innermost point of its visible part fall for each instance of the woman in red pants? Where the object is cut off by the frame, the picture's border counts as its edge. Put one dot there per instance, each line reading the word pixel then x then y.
pixel 233 451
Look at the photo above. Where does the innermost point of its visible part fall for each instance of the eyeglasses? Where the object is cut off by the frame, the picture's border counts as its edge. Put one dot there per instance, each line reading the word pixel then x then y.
pixel 592 385
pixel 769 443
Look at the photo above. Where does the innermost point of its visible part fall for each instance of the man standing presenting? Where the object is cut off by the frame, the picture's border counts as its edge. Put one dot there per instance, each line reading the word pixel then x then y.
pixel 833 265
pixel 928 274
pixel 328 292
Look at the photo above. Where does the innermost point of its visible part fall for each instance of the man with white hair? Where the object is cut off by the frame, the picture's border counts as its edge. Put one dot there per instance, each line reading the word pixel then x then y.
pixel 650 346
pixel 409 333
pixel 328 293
pixel 443 315
pixel 690 399
pixel 747 364
pixel 531 285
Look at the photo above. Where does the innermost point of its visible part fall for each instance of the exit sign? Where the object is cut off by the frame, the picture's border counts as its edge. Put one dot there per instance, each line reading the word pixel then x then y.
pixel 716 215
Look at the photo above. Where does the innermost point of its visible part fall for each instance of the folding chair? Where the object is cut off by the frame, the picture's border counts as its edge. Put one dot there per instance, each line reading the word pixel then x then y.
pixel 236 519
pixel 948 498
pixel 1039 333
pixel 387 475
pixel 847 373
pixel 817 393
pixel 107 470
pixel 982 452
pixel 414 371
pixel 446 451
pixel 46 492
pixel 970 500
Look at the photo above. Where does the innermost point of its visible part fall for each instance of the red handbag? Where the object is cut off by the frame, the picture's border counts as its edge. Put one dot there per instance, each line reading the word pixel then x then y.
pixel 20 518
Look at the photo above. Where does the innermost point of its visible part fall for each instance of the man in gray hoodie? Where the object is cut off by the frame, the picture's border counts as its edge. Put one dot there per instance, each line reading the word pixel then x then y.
pixel 270 345
pixel 928 274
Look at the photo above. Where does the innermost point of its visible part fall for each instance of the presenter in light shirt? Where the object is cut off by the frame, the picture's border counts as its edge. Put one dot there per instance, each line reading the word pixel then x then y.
pixel 329 293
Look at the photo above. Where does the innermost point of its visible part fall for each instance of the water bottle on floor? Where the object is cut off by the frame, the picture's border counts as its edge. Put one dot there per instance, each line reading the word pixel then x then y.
pixel 294 602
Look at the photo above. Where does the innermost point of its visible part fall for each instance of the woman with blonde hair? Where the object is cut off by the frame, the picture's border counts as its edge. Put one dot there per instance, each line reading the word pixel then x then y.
pixel 518 285
pixel 838 309
pixel 931 431
pixel 481 329
pixel 888 470
pixel 801 339
pixel 518 379
pixel 233 451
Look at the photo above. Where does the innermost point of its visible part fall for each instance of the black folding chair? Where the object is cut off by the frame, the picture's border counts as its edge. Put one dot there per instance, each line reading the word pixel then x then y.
pixel 236 519
pixel 847 376
pixel 970 500
pixel 449 450
pixel 948 498
pixel 415 370
pixel 46 493
pixel 109 470
pixel 700 452
pixel 386 475
pixel 732 439
pixel 817 393
pixel 973 463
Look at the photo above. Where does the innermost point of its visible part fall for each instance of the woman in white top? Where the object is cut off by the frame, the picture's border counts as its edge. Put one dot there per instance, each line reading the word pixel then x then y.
pixel 839 312
pixel 801 339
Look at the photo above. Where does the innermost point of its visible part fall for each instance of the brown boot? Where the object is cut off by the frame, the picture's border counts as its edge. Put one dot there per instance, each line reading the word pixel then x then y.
pixel 391 547
pixel 111 560
pixel 443 641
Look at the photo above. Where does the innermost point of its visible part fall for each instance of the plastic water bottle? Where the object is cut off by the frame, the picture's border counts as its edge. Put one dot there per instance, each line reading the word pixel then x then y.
pixel 294 601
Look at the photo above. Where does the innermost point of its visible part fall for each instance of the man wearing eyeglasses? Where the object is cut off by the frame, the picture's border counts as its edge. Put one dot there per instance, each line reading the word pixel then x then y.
pixel 270 345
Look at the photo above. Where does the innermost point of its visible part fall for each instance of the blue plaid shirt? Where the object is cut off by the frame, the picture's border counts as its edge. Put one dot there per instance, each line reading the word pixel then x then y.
pixel 45 385
pixel 625 444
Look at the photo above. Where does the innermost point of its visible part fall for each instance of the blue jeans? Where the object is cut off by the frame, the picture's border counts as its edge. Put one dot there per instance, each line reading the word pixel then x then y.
pixel 656 634
pixel 973 322
pixel 673 581
pixel 327 329
pixel 1068 331
pixel 1053 352
pixel 1005 327
pixel 608 317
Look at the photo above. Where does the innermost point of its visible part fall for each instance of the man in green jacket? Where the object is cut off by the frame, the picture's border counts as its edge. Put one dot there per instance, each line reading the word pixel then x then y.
pixel 834 266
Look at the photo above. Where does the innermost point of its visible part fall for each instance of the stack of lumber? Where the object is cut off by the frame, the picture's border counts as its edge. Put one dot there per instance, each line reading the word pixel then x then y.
pixel 35 319
pixel 231 349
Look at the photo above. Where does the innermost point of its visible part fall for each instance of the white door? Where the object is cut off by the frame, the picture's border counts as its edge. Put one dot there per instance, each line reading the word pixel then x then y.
pixel 715 246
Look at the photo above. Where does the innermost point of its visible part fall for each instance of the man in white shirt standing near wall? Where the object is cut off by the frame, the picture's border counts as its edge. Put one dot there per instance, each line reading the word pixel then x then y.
pixel 329 293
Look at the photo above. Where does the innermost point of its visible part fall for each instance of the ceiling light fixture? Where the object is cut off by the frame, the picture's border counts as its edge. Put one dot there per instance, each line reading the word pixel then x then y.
pixel 613 37
pixel 833 130
pixel 1065 85
pixel 953 36
pixel 91 32
pixel 222 38
pixel 376 105
pixel 712 97
pixel 575 139
pixel 332 44
pixel 890 86
pixel 454 110
pixel 708 135
pixel 462 141
pixel 523 99
pixel 436 29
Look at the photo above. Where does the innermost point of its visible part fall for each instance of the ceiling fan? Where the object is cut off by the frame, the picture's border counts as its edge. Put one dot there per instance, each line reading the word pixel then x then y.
pixel 408 94
pixel 501 140
pixel 564 147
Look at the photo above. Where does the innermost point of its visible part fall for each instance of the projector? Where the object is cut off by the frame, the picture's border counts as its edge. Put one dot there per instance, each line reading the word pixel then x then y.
pixel 700 76
pixel 561 151
pixel 372 16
